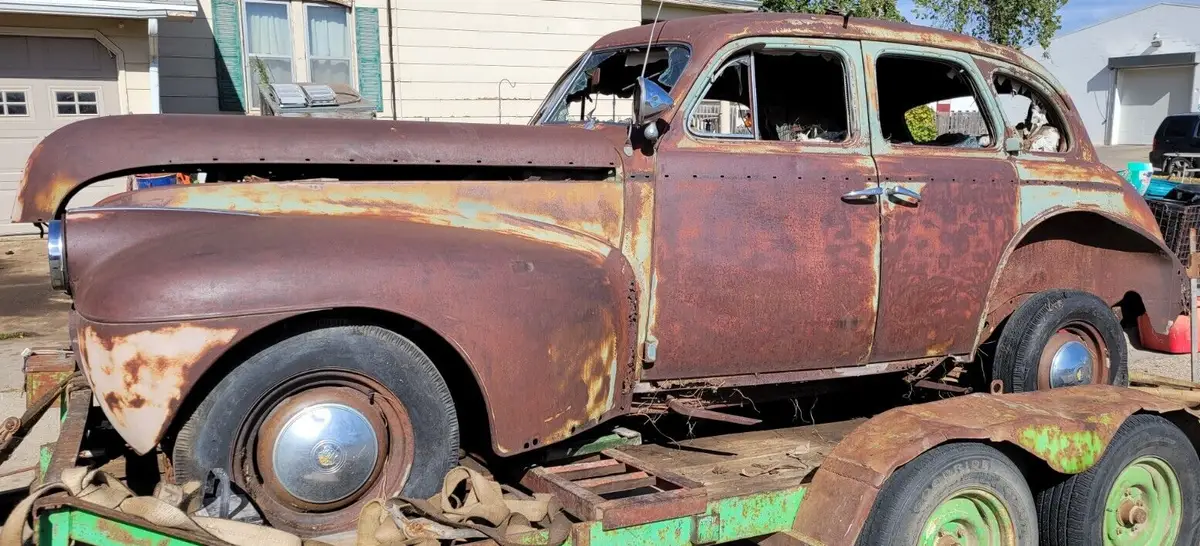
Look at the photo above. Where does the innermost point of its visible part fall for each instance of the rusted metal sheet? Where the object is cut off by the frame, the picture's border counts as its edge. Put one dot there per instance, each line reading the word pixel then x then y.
pixel 938 257
pixel 100 148
pixel 1067 428
pixel 520 311
pixel 45 369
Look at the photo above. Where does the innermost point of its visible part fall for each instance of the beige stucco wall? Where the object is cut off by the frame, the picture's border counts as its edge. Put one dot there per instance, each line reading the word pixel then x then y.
pixel 126 36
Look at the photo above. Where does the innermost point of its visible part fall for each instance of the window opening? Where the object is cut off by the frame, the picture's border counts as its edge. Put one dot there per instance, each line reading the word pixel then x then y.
pixel 909 88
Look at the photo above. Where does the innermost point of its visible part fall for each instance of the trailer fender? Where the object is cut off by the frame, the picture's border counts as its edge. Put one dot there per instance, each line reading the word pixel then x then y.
pixel 1068 428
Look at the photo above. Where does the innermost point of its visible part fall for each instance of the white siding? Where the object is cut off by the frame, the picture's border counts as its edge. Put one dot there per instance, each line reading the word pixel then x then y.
pixel 1080 59
pixel 452 56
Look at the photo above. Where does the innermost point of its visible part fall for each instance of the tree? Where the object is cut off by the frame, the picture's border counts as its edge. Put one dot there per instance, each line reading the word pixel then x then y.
pixel 870 9
pixel 1016 23
pixel 922 123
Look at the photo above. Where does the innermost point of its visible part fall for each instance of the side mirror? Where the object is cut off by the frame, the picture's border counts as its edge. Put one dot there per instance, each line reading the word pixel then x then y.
pixel 1012 145
pixel 651 101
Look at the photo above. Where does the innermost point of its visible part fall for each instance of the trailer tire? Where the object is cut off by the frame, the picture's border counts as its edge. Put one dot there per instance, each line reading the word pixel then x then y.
pixel 319 423
pixel 1154 461
pixel 931 494
pixel 1061 338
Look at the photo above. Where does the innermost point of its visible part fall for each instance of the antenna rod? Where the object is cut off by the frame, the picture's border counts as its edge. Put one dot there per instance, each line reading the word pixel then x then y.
pixel 646 61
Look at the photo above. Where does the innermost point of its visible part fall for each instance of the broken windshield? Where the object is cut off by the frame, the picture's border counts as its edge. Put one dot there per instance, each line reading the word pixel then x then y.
pixel 600 87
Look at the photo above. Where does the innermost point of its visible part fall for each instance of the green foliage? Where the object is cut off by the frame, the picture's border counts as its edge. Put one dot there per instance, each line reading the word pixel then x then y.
pixel 869 9
pixel 922 123
pixel 1016 23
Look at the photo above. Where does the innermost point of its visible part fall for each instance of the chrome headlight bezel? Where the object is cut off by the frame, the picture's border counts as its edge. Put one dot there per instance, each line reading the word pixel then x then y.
pixel 56 249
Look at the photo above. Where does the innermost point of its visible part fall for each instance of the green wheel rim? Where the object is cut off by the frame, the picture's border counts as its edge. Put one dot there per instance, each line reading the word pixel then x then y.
pixel 1144 506
pixel 971 517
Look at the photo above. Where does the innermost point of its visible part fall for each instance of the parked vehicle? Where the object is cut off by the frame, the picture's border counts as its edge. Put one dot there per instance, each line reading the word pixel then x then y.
pixel 1178 134
pixel 740 205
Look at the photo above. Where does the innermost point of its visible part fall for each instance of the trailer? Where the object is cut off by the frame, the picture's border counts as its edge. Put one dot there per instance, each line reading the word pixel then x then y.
pixel 963 470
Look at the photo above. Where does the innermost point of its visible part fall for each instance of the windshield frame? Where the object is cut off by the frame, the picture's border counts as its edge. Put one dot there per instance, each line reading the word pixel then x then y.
pixel 561 89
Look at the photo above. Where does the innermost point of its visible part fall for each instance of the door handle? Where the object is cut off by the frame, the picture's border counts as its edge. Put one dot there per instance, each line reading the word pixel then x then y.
pixel 903 194
pixel 863 195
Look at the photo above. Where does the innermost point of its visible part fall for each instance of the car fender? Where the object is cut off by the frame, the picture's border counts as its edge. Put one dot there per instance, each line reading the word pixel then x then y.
pixel 1068 429
pixel 545 325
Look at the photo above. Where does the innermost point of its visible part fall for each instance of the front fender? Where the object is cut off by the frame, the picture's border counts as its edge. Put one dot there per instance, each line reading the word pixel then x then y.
pixel 545 328
pixel 1069 429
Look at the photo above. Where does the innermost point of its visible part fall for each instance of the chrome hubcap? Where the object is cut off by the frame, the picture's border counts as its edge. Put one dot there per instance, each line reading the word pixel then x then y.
pixel 325 453
pixel 1072 365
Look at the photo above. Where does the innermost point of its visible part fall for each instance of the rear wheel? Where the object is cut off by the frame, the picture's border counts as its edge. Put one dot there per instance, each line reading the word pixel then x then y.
pixel 1144 491
pixel 956 494
pixel 1178 167
pixel 320 423
pixel 1061 338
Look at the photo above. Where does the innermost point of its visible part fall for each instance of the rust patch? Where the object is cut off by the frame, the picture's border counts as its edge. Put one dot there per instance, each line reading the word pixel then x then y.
pixel 140 376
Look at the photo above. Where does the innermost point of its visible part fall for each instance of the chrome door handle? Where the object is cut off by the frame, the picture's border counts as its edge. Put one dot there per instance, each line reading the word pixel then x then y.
pixel 902 193
pixel 863 195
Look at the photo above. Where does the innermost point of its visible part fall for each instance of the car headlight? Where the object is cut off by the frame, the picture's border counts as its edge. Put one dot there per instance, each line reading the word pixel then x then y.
pixel 57 250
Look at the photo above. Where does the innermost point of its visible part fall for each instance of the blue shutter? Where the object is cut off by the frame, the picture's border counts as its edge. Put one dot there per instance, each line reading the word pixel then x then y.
pixel 227 35
pixel 370 76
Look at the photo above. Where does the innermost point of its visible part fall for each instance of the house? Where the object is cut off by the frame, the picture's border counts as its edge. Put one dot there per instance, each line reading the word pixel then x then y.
pixel 434 60
pixel 1126 74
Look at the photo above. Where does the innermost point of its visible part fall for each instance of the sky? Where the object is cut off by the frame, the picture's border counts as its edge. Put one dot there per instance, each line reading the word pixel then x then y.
pixel 1077 14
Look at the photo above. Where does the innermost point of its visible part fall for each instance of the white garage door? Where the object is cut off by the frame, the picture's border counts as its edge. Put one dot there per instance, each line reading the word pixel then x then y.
pixel 46 83
pixel 1147 96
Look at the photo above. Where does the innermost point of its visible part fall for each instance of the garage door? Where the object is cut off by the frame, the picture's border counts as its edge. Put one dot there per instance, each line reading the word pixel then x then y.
pixel 46 83
pixel 1147 96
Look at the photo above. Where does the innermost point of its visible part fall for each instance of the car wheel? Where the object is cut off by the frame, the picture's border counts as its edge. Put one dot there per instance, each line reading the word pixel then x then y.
pixel 964 493
pixel 1178 167
pixel 1061 338
pixel 318 424
pixel 1145 490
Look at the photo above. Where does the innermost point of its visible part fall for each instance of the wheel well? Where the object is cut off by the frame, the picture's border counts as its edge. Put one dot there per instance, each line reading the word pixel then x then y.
pixel 468 399
pixel 1091 253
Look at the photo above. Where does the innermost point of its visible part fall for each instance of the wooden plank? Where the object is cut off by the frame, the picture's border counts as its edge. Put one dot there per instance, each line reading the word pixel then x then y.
pixel 660 473
pixel 627 512
pixel 589 469
pixel 1152 380
pixel 619 482
pixel 577 501
pixel 1190 398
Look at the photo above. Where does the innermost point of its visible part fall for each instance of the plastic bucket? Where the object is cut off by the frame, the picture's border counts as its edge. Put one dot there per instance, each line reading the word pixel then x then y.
pixel 143 181
pixel 1139 174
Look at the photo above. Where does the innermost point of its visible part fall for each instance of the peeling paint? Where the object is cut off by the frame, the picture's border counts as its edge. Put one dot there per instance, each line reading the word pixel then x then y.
pixel 1069 452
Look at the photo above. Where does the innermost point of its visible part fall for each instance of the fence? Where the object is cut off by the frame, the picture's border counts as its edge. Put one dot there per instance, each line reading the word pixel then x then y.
pixel 967 123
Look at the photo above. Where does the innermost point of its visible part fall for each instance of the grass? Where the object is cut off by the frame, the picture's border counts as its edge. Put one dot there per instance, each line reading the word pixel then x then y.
pixel 5 336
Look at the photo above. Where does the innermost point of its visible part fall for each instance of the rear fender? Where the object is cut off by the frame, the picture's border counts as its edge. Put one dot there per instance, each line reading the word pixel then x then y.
pixel 545 327
pixel 1068 429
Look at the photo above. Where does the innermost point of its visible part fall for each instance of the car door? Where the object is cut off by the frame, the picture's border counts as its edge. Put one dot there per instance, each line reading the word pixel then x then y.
pixel 950 204
pixel 766 218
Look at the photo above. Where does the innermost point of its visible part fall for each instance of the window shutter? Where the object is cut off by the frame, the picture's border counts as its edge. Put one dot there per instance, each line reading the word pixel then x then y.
pixel 227 35
pixel 366 38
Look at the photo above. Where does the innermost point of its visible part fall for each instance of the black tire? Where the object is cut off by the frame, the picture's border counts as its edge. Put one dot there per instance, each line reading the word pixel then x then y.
pixel 382 358
pixel 911 494
pixel 1072 511
pixel 1042 317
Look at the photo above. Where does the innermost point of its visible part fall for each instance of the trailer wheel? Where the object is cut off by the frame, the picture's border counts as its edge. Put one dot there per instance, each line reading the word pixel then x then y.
pixel 1061 338
pixel 955 494
pixel 318 424
pixel 1144 491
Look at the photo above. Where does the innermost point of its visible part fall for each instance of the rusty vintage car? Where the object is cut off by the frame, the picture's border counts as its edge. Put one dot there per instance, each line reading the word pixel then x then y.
pixel 698 206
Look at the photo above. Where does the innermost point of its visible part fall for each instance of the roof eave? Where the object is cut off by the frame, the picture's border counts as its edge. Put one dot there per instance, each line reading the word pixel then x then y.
pixel 101 8
pixel 732 6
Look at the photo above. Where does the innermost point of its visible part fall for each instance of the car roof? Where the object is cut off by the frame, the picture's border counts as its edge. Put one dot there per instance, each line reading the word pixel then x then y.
pixel 710 32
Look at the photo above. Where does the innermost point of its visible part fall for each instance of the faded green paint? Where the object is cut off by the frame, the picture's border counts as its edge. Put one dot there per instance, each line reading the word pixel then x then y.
pixel 1069 452
pixel 1149 486
pixel 62 527
pixel 725 520
pixel 970 516
pixel 608 441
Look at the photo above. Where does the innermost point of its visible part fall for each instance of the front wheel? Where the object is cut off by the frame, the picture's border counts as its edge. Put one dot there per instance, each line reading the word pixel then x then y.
pixel 1061 338
pixel 955 494
pixel 318 424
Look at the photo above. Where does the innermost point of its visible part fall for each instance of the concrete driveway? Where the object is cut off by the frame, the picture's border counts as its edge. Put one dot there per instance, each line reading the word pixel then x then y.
pixel 1118 157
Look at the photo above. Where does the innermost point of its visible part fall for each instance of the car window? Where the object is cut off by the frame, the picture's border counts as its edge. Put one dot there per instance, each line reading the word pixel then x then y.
pixel 930 102
pixel 1180 126
pixel 1031 114
pixel 776 94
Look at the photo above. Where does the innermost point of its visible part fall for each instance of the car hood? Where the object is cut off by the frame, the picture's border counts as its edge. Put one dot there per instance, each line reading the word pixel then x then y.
pixel 103 148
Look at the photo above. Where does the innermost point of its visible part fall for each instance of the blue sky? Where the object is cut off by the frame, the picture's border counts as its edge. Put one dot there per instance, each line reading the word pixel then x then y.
pixel 1078 13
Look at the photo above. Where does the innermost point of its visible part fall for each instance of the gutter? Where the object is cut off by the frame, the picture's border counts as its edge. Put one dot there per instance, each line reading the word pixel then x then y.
pixel 102 8
pixel 155 94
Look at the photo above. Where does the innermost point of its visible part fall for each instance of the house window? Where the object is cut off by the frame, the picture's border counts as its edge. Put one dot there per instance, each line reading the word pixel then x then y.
pixel 328 44
pixel 76 103
pixel 13 103
pixel 292 40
